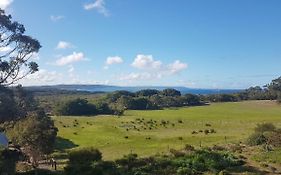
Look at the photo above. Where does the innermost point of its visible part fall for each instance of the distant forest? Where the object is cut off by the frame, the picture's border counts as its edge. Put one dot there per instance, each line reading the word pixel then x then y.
pixel 62 102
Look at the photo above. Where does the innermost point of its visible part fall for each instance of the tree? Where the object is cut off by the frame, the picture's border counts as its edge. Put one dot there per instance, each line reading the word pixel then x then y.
pixel 17 51
pixel 113 97
pixel 125 102
pixel 36 131
pixel 192 99
pixel 147 92
pixel 15 103
pixel 8 106
pixel 275 87
pixel 171 92
pixel 103 108
pixel 142 104
pixel 76 107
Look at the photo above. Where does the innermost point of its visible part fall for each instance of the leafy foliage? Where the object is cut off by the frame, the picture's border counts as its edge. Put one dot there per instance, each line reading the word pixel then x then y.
pixel 36 131
pixel 15 103
pixel 275 86
pixel 8 107
pixel 171 92
pixel 264 127
pixel 17 58
pixel 194 162
pixel 88 161
pixel 118 101
pixel 76 107
pixel 265 133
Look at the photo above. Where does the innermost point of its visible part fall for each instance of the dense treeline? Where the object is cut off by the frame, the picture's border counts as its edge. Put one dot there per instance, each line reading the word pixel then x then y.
pixel 118 101
pixel 271 91
pixel 151 99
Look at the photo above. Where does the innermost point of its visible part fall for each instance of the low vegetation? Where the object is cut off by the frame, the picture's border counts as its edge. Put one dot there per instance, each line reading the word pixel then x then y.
pixel 183 162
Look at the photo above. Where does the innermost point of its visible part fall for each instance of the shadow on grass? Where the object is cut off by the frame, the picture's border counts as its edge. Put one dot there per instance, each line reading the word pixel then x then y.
pixel 62 144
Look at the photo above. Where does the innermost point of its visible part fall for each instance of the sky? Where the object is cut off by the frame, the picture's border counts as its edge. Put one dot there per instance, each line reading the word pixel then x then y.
pixel 228 44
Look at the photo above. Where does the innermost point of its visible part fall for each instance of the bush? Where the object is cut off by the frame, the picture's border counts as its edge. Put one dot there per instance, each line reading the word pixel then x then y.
pixel 265 127
pixel 84 156
pixel 263 133
pixel 86 161
pixel 184 171
pixel 256 138
pixel 273 138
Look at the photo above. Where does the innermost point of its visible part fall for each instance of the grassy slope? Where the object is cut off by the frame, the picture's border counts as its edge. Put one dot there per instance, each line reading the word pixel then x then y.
pixel 234 121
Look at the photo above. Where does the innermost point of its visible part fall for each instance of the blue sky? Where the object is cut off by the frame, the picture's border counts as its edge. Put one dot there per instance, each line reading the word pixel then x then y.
pixel 192 43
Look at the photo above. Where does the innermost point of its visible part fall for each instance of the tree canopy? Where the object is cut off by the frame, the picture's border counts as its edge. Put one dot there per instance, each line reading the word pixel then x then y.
pixel 16 51
pixel 275 86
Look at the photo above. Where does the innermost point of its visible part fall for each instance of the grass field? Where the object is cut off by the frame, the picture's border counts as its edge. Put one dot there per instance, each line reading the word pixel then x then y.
pixel 144 133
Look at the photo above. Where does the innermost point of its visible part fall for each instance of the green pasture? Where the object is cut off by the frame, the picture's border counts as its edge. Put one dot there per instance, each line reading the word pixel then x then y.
pixel 144 133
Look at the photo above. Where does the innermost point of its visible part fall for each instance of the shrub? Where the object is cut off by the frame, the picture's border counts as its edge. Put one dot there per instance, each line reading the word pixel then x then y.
pixel 256 138
pixel 273 138
pixel 265 127
pixel 88 161
pixel 265 133
pixel 84 156
pixel 184 171
pixel 104 168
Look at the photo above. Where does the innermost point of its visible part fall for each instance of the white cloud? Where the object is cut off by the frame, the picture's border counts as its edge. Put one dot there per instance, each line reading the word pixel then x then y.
pixel 70 69
pixel 176 67
pixel 137 76
pixel 153 69
pixel 5 49
pixel 114 60
pixel 146 62
pixel 142 76
pixel 74 57
pixel 56 18
pixel 42 77
pixel 64 45
pixel 5 3
pixel 98 5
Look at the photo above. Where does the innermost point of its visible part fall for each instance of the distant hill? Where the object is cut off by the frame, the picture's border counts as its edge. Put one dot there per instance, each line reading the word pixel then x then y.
pixel 108 88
